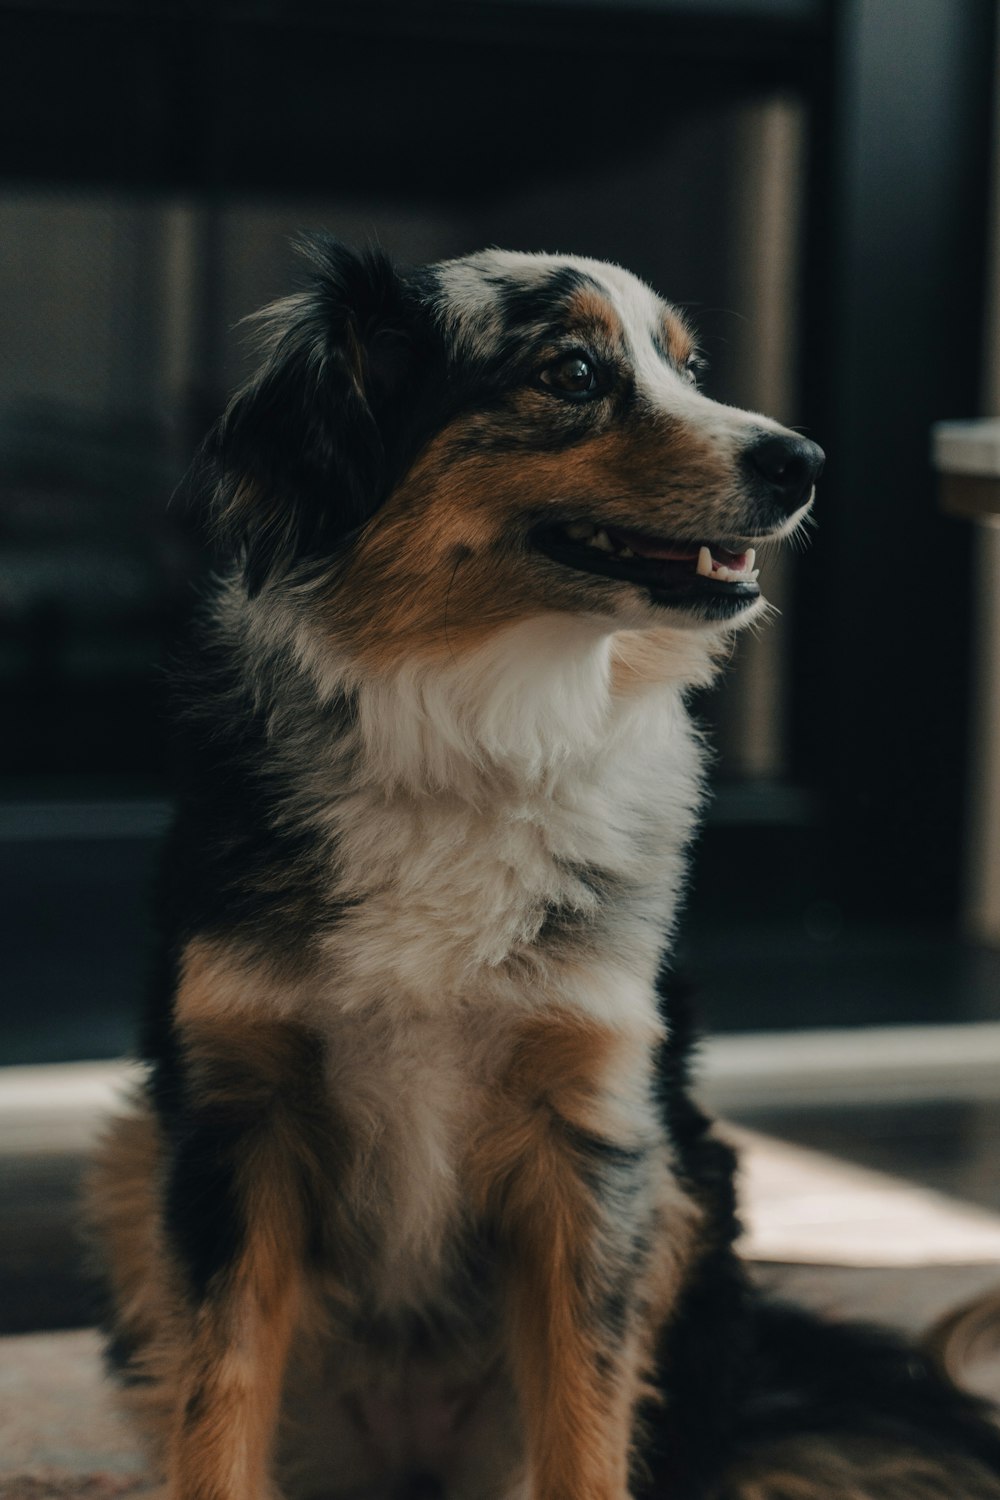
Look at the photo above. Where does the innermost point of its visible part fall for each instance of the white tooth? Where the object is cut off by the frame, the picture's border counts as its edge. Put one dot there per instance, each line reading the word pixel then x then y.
pixel 579 531
pixel 704 562
pixel 735 575
pixel 626 552
pixel 602 540
pixel 750 559
pixel 754 575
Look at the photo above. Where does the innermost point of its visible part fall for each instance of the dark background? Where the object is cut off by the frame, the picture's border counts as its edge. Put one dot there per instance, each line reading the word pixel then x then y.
pixel 810 179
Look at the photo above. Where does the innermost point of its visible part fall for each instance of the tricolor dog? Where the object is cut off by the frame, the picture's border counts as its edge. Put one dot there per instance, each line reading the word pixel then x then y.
pixel 415 1202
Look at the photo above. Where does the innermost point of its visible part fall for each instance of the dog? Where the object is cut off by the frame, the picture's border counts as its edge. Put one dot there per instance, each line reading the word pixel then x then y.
pixel 415 1201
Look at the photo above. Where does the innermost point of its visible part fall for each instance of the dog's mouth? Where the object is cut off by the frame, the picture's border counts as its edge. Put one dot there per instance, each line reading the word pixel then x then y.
pixel 717 574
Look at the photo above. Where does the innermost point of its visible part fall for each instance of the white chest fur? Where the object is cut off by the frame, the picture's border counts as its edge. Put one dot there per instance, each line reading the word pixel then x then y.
pixel 507 825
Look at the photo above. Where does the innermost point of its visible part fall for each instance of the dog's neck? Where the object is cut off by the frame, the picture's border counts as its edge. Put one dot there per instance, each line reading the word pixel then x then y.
pixel 551 777
pixel 518 711
pixel 534 703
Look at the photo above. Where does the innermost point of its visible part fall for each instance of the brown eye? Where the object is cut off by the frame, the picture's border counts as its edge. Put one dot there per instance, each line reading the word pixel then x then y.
pixel 572 376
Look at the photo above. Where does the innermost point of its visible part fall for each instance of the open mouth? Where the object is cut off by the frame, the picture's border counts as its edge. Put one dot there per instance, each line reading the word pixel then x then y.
pixel 718 576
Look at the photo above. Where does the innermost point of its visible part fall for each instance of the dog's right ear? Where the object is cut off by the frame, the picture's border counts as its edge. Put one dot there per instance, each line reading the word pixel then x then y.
pixel 299 460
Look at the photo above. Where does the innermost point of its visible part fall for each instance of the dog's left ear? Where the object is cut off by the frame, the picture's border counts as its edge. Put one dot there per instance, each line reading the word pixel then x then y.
pixel 302 457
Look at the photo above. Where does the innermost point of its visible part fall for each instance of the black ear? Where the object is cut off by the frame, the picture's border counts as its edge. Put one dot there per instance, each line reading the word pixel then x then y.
pixel 300 459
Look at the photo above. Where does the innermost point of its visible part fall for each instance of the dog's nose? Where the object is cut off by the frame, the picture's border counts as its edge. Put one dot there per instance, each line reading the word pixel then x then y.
pixel 789 467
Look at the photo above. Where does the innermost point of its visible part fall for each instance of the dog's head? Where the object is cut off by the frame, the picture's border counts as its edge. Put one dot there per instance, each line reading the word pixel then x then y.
pixel 439 453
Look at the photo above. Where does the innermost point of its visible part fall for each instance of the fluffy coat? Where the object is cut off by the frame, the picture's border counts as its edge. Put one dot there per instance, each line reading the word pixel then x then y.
pixel 415 1201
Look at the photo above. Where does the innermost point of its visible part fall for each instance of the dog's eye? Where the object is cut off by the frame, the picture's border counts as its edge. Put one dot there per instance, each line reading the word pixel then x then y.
pixel 573 375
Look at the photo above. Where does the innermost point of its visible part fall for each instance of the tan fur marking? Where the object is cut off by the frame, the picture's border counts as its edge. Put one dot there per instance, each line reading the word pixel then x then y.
pixel 425 579
pixel 214 1373
pixel 678 337
pixel 228 1409
pixel 592 311
pixel 445 563
pixel 266 1073
pixel 219 984
pixel 562 1061
pixel 198 993
pixel 550 1223
pixel 253 1065
pixel 577 1430
pixel 577 1388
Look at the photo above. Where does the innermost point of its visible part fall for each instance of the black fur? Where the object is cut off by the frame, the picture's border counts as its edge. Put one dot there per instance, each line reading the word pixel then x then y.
pixel 740 1372
pixel 532 306
pixel 806 1376
pixel 202 1209
pixel 310 447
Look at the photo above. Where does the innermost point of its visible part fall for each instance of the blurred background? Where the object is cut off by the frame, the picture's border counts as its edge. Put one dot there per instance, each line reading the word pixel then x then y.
pixel 812 180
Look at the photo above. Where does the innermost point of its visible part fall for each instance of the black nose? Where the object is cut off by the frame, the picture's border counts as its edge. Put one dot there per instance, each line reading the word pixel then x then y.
pixel 788 466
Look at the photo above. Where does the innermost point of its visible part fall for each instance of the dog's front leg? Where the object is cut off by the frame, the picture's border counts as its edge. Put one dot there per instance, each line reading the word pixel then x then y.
pixel 235 1217
pixel 229 1395
pixel 572 1178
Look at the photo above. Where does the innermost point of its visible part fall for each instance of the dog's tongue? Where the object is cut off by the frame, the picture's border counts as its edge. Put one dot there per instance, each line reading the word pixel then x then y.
pixel 651 546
